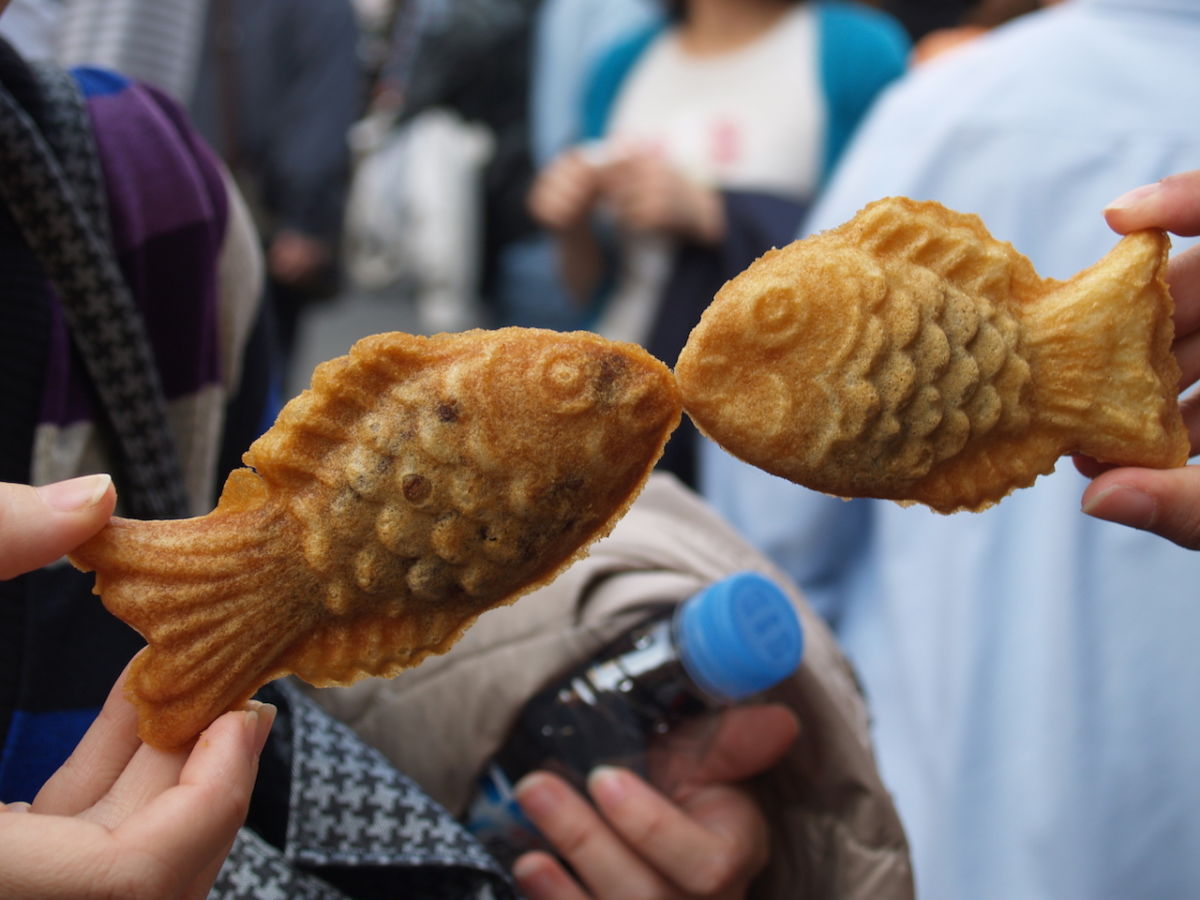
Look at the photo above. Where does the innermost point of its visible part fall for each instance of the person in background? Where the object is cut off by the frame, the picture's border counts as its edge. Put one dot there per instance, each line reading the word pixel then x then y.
pixel 129 303
pixel 976 21
pixel 156 42
pixel 704 137
pixel 568 38
pixel 278 87
pixel 1031 670
pixel 32 25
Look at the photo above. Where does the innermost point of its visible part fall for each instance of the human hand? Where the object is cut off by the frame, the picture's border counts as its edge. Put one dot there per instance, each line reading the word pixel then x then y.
pixel 707 839
pixel 39 525
pixel 647 193
pixel 565 191
pixel 1163 501
pixel 119 819
pixel 122 819
pixel 295 258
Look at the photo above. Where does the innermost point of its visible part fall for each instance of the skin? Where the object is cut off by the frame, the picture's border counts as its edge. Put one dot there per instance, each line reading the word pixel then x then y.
pixel 707 838
pixel 1165 502
pixel 119 819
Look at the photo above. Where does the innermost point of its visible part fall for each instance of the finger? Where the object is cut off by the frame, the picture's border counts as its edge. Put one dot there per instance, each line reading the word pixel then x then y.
pixel 39 525
pixel 1187 354
pixel 1183 277
pixel 541 877
pixel 1172 204
pixel 149 773
pixel 748 740
pixel 201 886
pixel 1165 502
pixel 97 761
pixel 190 825
pixel 607 865
pixel 706 848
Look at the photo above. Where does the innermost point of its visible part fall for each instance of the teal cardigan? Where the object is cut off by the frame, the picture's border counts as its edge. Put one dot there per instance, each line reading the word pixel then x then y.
pixel 862 50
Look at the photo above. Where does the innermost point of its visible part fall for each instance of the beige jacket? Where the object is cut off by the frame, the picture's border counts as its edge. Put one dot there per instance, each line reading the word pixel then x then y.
pixel 835 833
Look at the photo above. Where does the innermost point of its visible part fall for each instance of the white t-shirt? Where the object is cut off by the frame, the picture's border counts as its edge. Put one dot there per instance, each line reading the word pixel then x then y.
pixel 750 119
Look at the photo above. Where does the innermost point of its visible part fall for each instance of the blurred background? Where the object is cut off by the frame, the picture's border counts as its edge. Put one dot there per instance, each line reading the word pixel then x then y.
pixel 385 146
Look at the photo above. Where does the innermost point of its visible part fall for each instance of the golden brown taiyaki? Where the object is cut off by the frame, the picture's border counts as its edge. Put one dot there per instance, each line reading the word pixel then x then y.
pixel 419 482
pixel 909 355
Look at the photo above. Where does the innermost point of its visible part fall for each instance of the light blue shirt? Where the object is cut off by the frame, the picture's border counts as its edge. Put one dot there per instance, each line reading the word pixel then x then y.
pixel 568 37
pixel 1034 674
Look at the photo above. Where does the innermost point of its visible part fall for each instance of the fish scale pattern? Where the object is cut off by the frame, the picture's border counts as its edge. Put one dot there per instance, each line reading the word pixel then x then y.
pixel 446 499
pixel 939 355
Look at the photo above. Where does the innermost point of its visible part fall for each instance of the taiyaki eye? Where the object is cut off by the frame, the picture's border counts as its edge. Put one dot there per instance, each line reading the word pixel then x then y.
pixel 777 316
pixel 564 382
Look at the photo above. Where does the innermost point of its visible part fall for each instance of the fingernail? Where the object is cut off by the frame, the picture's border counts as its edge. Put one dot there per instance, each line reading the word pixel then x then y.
pixel 75 494
pixel 1132 198
pixel 259 719
pixel 1122 504
pixel 533 874
pixel 537 795
pixel 609 785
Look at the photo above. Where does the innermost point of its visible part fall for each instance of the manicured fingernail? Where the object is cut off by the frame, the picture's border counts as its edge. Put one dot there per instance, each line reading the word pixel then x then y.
pixel 1122 504
pixel 75 494
pixel 1134 197
pixel 609 785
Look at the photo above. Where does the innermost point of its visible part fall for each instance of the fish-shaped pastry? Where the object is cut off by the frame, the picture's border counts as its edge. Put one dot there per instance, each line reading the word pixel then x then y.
pixel 416 484
pixel 909 355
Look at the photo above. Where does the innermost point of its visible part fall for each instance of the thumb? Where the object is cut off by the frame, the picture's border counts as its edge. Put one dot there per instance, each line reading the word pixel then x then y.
pixel 748 741
pixel 1165 502
pixel 1172 204
pixel 38 525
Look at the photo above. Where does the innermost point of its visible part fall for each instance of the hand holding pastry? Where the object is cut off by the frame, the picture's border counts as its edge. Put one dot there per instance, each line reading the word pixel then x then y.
pixel 1167 501
pixel 119 818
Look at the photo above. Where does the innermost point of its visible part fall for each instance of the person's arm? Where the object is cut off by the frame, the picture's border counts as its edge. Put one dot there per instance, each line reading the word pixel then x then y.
pixel 707 839
pixel 562 200
pixel 1166 502
pixel 119 819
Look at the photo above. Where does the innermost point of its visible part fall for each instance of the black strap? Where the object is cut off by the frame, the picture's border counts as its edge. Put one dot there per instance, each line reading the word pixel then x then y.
pixel 58 201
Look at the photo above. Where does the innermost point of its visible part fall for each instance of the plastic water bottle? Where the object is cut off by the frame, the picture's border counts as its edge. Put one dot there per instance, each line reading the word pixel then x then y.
pixel 731 641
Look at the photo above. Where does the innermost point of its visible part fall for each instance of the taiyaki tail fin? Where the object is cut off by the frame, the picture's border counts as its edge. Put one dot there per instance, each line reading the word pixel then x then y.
pixel 1101 343
pixel 184 585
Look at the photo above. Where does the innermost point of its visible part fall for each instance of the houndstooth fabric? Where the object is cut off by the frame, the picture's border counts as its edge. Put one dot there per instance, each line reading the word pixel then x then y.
pixel 55 194
pixel 350 808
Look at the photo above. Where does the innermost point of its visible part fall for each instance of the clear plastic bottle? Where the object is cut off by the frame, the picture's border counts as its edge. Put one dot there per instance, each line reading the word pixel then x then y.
pixel 738 637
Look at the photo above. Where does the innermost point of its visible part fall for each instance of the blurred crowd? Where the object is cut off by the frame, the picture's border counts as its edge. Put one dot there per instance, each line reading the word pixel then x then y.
pixel 1028 673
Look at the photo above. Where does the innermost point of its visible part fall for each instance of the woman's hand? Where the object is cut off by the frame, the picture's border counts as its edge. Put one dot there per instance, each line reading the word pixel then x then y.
pixel 119 819
pixel 707 839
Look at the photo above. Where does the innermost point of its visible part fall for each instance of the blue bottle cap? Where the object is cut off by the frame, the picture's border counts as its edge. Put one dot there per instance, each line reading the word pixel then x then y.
pixel 739 636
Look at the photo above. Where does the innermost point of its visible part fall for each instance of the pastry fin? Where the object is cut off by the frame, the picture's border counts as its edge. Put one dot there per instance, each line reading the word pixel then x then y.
pixel 1102 343
pixel 189 587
